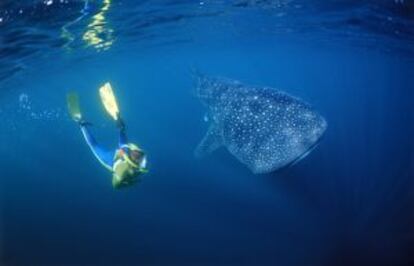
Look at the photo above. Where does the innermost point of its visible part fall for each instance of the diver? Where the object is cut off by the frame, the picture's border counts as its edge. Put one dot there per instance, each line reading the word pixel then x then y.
pixel 128 162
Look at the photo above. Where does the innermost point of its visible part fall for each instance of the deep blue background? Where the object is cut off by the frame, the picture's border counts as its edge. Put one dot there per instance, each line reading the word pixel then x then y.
pixel 350 202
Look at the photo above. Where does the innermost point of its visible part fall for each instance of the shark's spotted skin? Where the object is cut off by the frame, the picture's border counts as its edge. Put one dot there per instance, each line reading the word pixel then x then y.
pixel 264 128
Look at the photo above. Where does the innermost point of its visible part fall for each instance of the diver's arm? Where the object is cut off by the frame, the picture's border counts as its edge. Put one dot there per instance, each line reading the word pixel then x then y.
pixel 123 139
pixel 117 183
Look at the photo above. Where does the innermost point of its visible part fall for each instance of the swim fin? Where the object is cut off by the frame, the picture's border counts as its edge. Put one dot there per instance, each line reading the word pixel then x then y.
pixel 109 101
pixel 72 99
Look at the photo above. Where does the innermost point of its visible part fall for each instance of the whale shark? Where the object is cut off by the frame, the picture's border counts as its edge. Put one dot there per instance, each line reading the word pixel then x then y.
pixel 264 128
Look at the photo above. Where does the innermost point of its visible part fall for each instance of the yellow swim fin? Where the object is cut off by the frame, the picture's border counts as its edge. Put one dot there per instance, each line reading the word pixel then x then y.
pixel 72 99
pixel 109 101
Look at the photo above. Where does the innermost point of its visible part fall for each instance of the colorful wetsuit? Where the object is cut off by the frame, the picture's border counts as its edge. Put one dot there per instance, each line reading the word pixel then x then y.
pixel 105 156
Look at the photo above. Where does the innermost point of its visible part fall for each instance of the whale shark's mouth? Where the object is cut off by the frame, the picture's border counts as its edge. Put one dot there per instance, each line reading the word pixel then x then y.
pixel 304 154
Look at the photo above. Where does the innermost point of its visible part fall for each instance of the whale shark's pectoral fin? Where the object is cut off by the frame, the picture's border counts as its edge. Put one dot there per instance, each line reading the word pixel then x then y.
pixel 211 141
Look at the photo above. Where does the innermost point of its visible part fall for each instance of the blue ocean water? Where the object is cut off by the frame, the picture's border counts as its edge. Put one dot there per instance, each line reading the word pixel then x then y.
pixel 349 202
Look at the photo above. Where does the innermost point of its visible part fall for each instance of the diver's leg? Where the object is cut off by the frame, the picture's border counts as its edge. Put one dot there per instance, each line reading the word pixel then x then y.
pixel 104 156
pixel 123 140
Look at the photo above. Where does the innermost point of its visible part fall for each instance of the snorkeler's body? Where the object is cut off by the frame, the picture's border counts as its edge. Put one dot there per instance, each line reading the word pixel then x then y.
pixel 127 162
pixel 112 159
